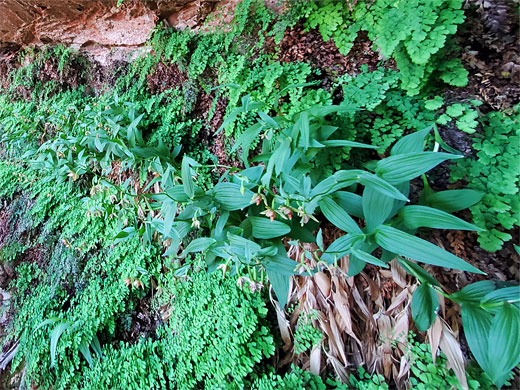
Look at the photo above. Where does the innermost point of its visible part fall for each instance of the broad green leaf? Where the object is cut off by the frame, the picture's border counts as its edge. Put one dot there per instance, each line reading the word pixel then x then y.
pixel 221 223
pixel 96 346
pixel 199 245
pixel 55 336
pixel 187 179
pixel 337 216
pixel 376 208
pixel 253 174
pixel 404 167
pixel 385 188
pixel 84 348
pixel 397 241
pixel 412 143
pixel 245 140
pixel 424 307
pixel 345 143
pixel 340 247
pixel 367 258
pixel 355 265
pixel 268 120
pixel 265 228
pixel 233 196
pixel 504 343
pixel 281 155
pixel 417 216
pixel 319 240
pixel 281 264
pixel 303 124
pixel 476 323
pixel 453 200
pixel 507 294
pixel 240 244
pixel 350 202
pixel 417 271
pixel 280 283
pixel 48 321
pixel 473 293
pixel 170 210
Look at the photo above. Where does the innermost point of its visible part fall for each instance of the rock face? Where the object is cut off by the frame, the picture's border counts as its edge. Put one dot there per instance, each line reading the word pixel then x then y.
pixel 95 26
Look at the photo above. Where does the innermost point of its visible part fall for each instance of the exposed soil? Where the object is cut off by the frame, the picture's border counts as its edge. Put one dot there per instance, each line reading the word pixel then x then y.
pixel 300 46
pixel 491 54
pixel 142 322
pixel 165 77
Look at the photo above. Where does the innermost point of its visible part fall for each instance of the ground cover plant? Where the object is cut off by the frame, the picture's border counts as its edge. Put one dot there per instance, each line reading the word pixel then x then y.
pixel 221 217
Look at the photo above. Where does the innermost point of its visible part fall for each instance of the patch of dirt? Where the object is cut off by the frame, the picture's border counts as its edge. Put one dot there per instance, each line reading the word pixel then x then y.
pixel 217 144
pixel 165 77
pixel 8 61
pixel 102 78
pixel 491 53
pixel 143 321
pixel 300 46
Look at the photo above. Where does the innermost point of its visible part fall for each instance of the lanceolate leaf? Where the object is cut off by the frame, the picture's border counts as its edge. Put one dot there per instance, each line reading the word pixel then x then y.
pixel 265 228
pixel 397 241
pixel 473 293
pixel 345 143
pixel 280 283
pixel 84 348
pixel 507 294
pixel 55 336
pixel 187 180
pixel 376 207
pixel 477 325
pixel 350 202
pixel 368 258
pixel 199 245
pixel 339 248
pixel 417 271
pixel 336 215
pixel 380 185
pixel 453 200
pixel 281 264
pixel 412 143
pixel 422 216
pixel 424 307
pixel 504 343
pixel 233 196
pixel 245 140
pixel 404 167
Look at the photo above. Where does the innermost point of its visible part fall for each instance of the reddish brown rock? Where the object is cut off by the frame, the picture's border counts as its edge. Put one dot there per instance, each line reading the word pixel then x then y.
pixel 97 27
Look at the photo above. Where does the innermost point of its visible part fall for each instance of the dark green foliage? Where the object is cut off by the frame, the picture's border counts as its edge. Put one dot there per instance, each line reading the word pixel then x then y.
pixel 414 33
pixel 109 245
pixel 217 334
pixel 494 171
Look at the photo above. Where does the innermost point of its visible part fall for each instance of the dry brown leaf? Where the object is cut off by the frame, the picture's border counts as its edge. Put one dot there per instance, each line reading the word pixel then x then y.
pixel 397 301
pixel 323 282
pixel 283 323
pixel 341 305
pixel 339 368
pixel 451 348
pixel 315 359
pixel 434 336
pixel 398 274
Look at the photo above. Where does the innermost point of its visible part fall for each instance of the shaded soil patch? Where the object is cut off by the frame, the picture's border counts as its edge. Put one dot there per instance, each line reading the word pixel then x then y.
pixel 491 53
pixel 142 322
pixel 165 77
pixel 300 46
